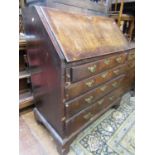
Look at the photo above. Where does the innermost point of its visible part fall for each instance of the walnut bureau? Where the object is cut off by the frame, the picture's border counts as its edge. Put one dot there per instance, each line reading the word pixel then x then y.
pixel 81 65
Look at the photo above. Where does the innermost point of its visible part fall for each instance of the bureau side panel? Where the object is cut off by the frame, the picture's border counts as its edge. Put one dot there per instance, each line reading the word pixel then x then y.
pixel 46 71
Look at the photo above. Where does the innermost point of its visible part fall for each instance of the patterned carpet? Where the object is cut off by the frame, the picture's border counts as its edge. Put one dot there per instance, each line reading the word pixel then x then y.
pixel 111 134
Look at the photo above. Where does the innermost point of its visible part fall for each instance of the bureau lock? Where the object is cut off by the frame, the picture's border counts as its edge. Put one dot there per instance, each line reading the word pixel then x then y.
pixel 63 119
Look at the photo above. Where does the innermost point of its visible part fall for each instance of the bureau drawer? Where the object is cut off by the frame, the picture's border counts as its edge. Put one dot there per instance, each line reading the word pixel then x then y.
pixel 76 105
pixel 90 69
pixel 81 87
pixel 88 115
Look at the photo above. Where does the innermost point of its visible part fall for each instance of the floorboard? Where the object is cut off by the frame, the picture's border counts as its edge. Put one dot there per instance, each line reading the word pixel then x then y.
pixel 34 138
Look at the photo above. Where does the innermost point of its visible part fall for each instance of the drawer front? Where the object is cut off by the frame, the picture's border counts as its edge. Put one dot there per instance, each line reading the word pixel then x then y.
pixel 90 69
pixel 131 55
pixel 86 100
pixel 81 87
pixel 87 115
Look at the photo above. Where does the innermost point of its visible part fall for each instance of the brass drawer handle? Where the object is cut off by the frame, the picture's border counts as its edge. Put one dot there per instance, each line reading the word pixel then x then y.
pixel 116 71
pixel 89 99
pixel 103 88
pixel 111 98
pixel 90 83
pixel 88 116
pixel 92 69
pixel 100 102
pixel 115 84
pixel 107 61
pixel 104 75
pixel 119 59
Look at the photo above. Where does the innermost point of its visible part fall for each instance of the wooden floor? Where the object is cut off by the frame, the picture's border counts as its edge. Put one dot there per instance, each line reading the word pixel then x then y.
pixel 34 139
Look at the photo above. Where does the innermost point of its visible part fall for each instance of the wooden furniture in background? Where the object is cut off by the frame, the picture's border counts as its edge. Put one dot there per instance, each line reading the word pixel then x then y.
pixel 75 6
pixel 79 66
pixel 127 19
pixel 25 92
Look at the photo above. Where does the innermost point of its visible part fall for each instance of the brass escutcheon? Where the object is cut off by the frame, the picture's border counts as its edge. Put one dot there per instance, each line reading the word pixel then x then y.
pixel 116 71
pixel 111 98
pixel 115 84
pixel 89 99
pixel 100 102
pixel 103 88
pixel 92 69
pixel 104 75
pixel 90 83
pixel 119 59
pixel 107 61
pixel 88 116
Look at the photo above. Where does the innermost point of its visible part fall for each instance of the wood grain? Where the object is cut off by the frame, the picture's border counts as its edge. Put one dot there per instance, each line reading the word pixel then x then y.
pixel 81 36
pixel 34 139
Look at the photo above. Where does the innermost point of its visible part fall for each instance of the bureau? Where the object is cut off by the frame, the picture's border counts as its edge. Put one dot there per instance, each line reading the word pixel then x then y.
pixel 80 66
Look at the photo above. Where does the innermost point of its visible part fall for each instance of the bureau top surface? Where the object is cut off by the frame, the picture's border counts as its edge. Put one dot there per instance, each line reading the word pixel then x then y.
pixel 82 36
